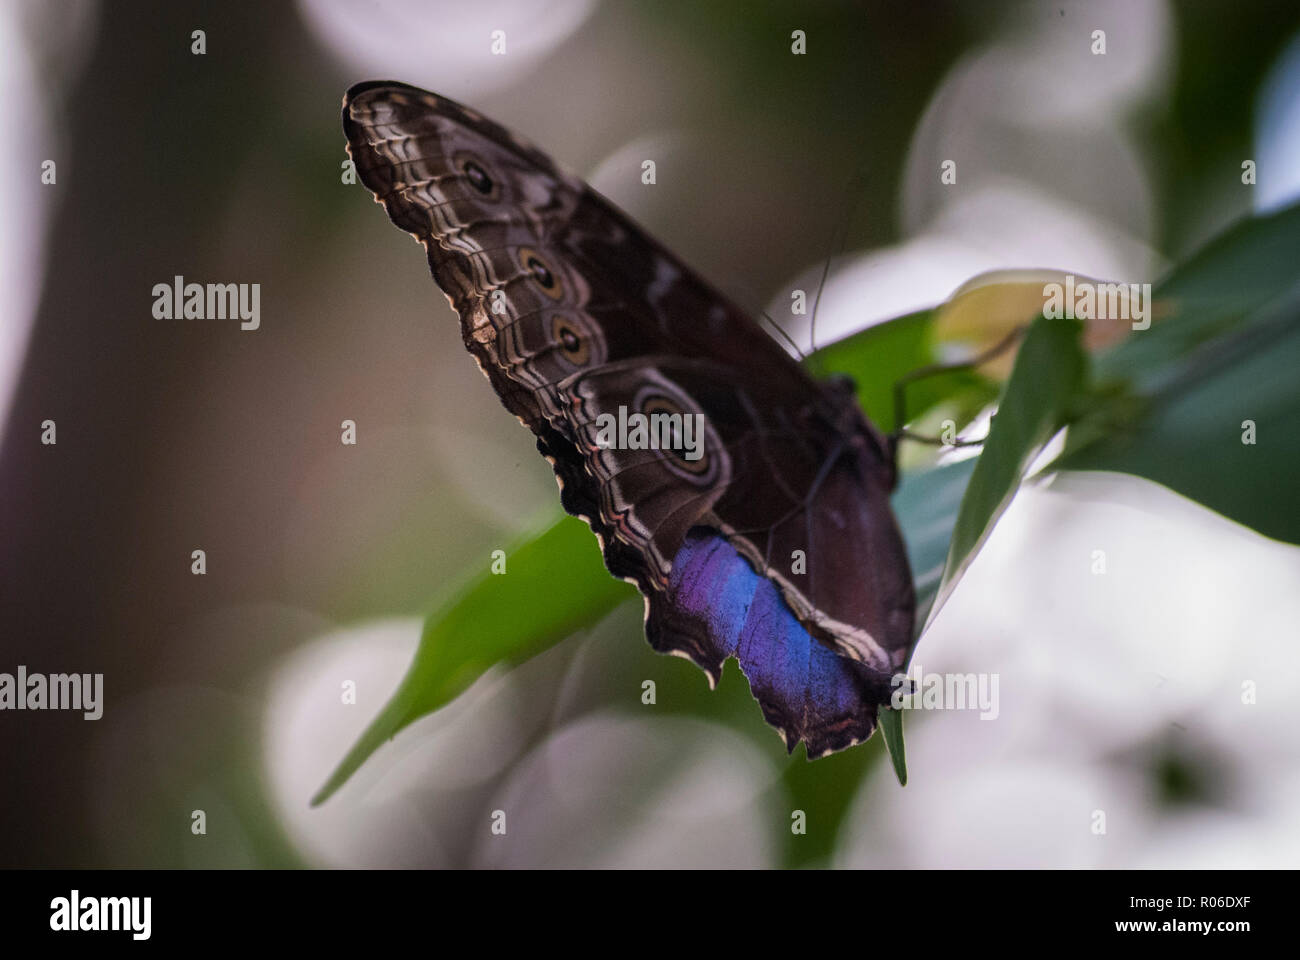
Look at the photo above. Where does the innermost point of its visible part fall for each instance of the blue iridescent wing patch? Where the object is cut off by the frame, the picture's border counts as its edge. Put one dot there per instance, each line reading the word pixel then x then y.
pixel 721 608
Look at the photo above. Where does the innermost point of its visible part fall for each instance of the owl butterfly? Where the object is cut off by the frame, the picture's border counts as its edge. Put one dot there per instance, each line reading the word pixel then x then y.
pixel 776 544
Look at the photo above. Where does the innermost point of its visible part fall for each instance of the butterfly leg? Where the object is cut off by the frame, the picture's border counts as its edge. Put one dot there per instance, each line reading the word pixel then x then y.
pixel 935 369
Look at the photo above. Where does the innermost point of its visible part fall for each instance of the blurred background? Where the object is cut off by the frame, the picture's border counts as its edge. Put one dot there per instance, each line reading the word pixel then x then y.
pixel 1119 693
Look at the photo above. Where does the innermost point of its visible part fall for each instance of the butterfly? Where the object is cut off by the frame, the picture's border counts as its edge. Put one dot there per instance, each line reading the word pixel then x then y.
pixel 775 543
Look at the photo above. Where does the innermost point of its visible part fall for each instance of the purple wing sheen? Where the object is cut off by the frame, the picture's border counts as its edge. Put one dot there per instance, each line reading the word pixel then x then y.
pixel 717 607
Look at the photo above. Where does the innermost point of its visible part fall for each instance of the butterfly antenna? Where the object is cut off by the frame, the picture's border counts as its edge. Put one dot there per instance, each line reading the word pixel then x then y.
pixel 859 177
pixel 784 336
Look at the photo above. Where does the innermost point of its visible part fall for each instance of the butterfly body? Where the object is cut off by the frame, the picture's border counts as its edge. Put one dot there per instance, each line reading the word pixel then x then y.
pixel 776 545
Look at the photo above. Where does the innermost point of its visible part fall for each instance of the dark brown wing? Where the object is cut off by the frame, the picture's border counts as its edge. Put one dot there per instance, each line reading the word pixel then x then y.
pixel 574 312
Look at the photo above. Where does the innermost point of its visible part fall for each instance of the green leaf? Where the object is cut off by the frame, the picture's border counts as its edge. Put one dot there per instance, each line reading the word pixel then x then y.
pixel 1232 278
pixel 557 577
pixel 891 728
pixel 1172 400
pixel 926 504
pixel 1188 434
pixel 878 357
pixel 1035 404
